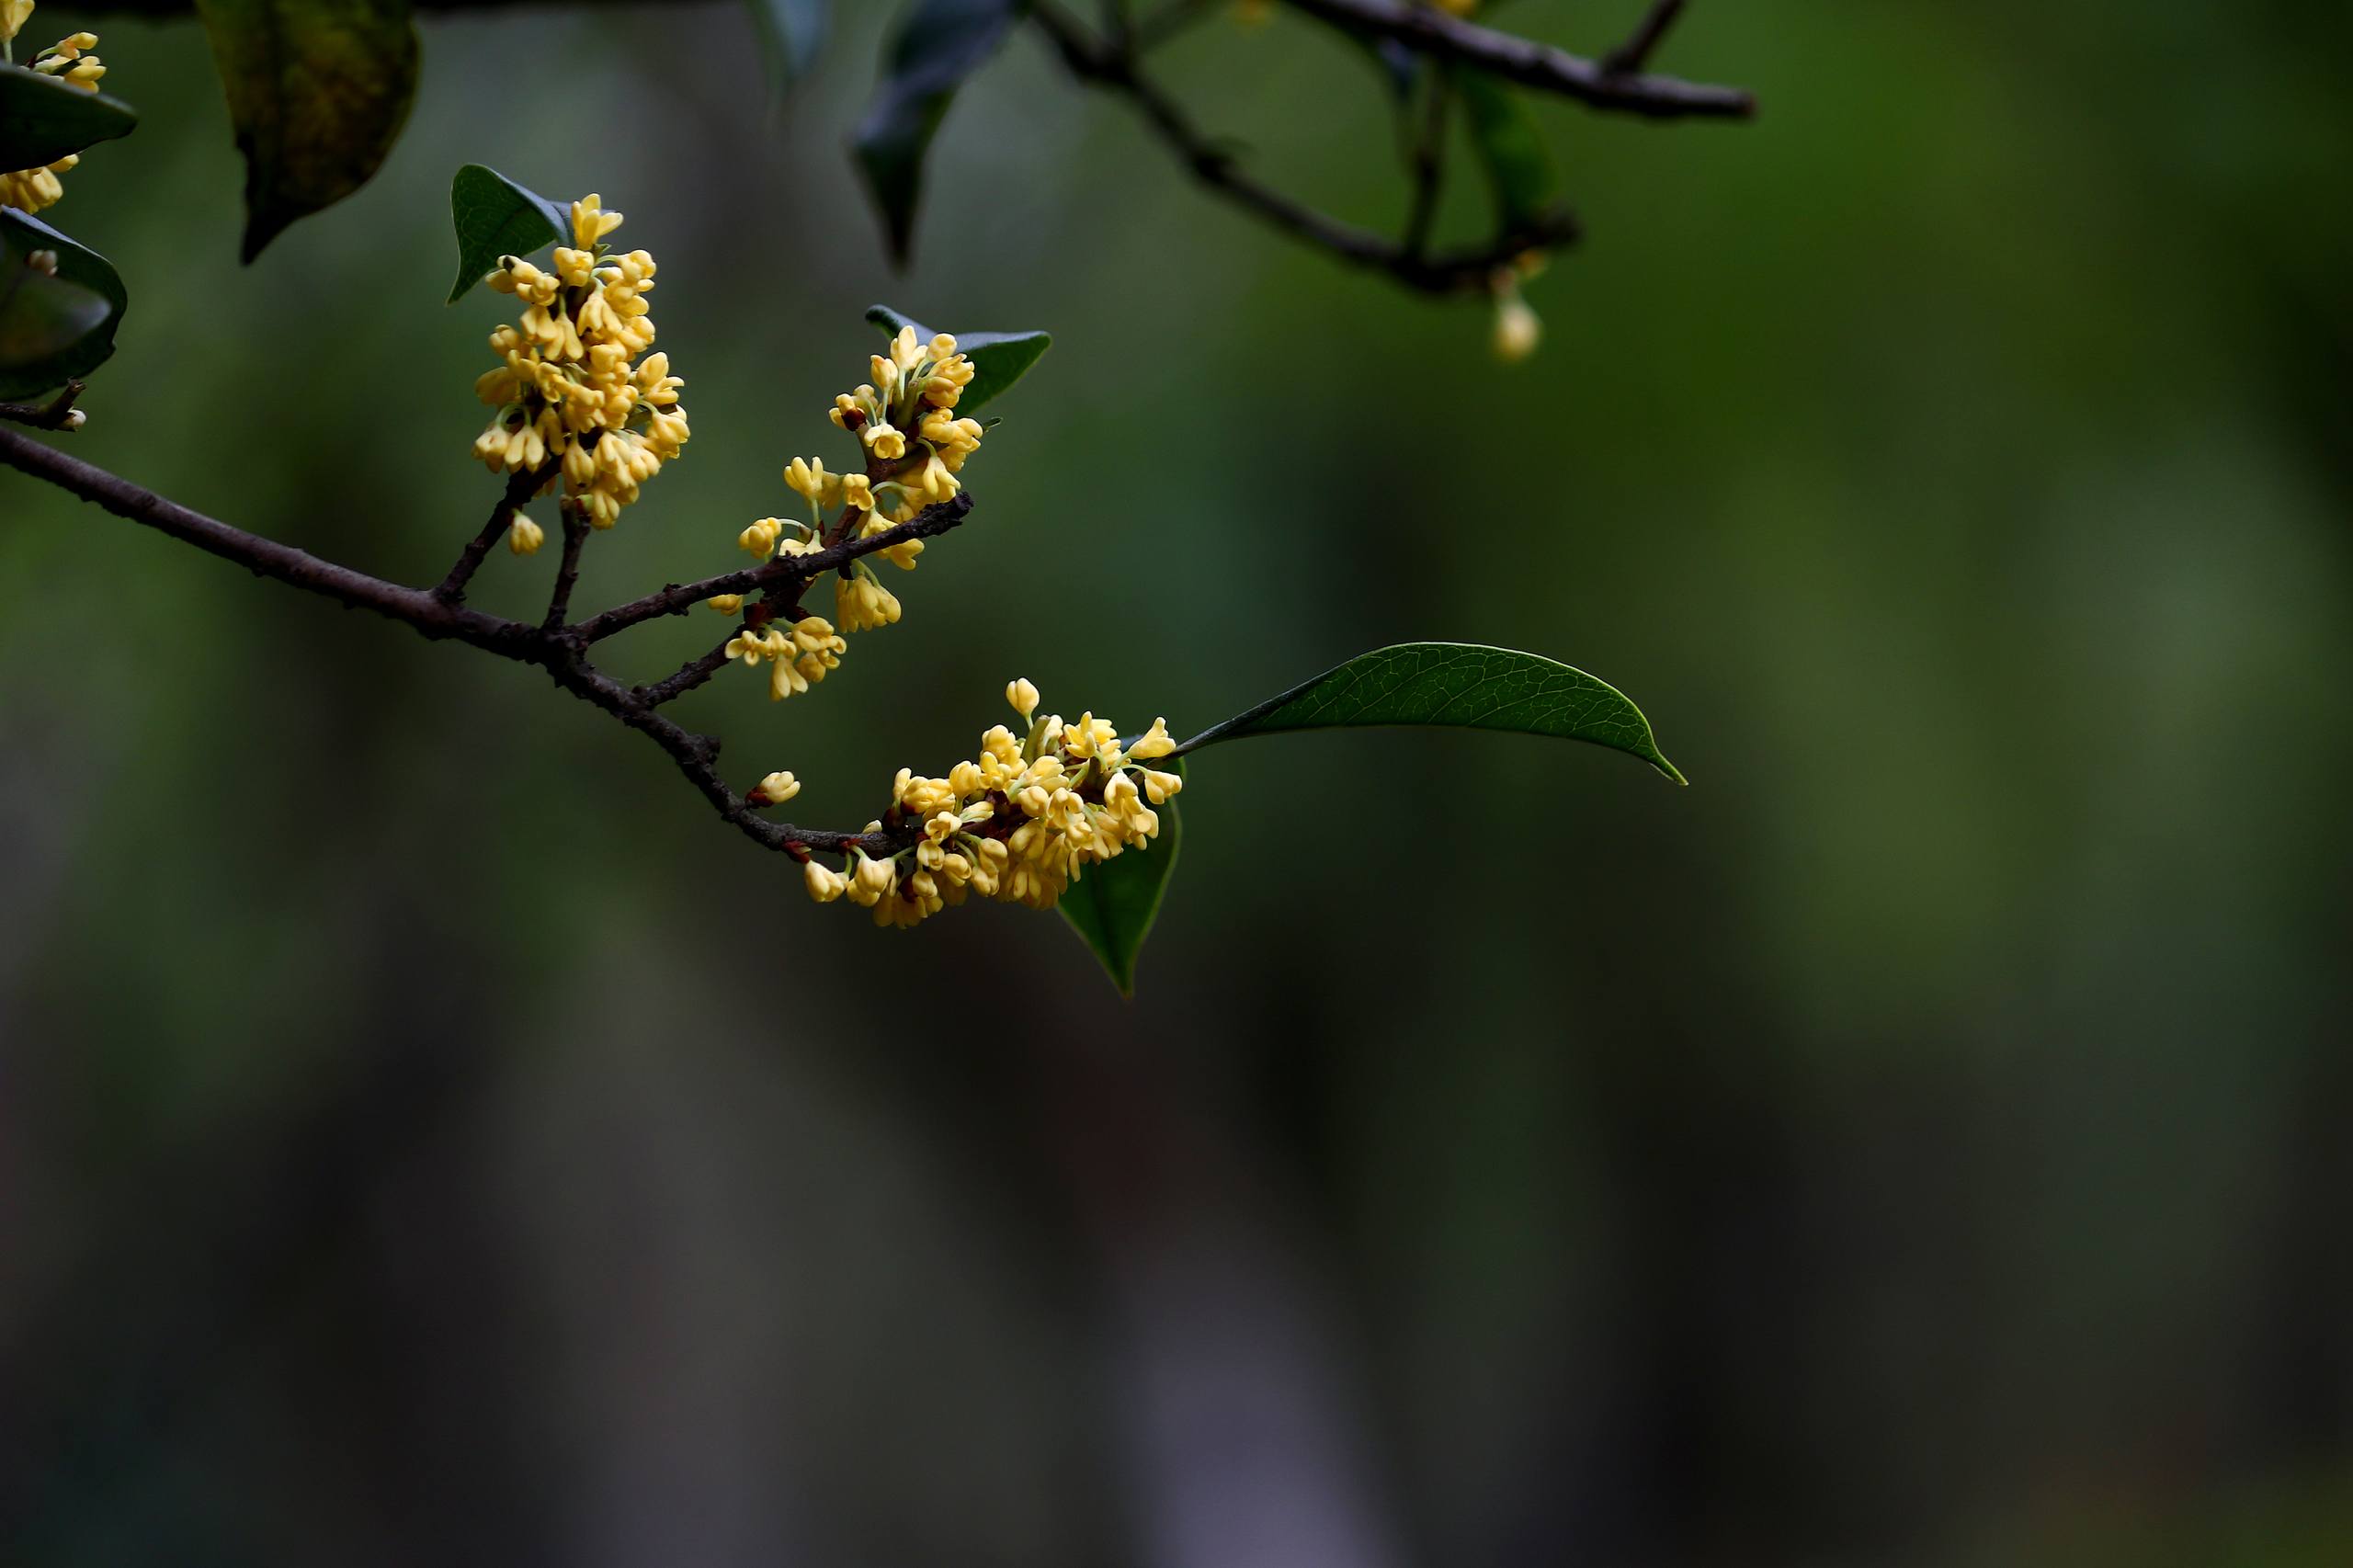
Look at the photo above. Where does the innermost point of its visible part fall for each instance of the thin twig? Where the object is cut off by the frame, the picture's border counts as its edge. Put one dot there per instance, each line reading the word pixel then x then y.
pixel 1428 163
pixel 688 676
pixel 567 570
pixel 561 651
pixel 1214 166
pixel 795 570
pixel 57 414
pixel 1642 42
pixel 520 487
pixel 1431 31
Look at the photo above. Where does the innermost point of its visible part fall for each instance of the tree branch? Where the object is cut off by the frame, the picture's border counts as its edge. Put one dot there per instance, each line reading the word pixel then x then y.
pixel 1431 31
pixel 1102 65
pixel 567 570
pixel 1428 160
pixel 561 651
pixel 520 485
pixel 1635 52
pixel 688 676
pixel 57 414
pixel 796 570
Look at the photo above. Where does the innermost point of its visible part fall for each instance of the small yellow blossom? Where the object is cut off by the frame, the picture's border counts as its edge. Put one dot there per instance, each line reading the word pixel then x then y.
pixel 777 789
pixel 726 604
pixel 524 537
pixel 824 883
pixel 760 538
pixel 1518 329
pixel 68 60
pixel 1019 821
pixel 570 387
pixel 863 604
pixel 911 447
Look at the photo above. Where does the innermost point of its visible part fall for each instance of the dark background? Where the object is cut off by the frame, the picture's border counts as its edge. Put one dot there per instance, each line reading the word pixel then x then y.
pixel 427 1136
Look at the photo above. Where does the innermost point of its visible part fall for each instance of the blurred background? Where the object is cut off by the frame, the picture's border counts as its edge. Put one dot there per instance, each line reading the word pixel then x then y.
pixel 427 1135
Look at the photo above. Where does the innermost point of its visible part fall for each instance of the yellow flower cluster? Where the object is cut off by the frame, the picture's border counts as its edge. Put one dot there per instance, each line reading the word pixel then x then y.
pixel 572 394
pixel 29 190
pixel 796 659
pixel 913 446
pixel 1018 823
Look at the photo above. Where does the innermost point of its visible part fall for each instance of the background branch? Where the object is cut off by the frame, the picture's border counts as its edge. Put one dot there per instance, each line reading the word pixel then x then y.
pixel 1104 65
pixel 1431 31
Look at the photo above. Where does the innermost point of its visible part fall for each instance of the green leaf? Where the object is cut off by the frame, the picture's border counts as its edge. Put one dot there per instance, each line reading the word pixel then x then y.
pixel 1455 685
pixel 318 90
pixel 49 334
pixel 938 44
pixel 1113 904
pixel 793 34
pixel 999 358
pixel 493 216
pixel 42 118
pixel 1511 149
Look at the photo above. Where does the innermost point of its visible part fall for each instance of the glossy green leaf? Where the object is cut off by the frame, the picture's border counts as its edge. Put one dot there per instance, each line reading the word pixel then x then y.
pixel 42 118
pixel 999 358
pixel 793 34
pixel 1510 145
pixel 1113 904
pixel 1455 685
pixel 50 334
pixel 493 216
pixel 318 90
pixel 938 44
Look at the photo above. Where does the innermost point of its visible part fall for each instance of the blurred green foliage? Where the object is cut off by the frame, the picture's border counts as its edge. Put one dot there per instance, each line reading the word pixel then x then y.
pixel 424 1136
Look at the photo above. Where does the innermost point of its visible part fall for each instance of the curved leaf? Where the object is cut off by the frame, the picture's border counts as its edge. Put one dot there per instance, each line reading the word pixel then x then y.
pixel 1504 132
pixel 792 33
pixel 318 90
pixel 1457 685
pixel 1113 904
pixel 937 45
pixel 999 358
pixel 49 333
pixel 493 216
pixel 42 118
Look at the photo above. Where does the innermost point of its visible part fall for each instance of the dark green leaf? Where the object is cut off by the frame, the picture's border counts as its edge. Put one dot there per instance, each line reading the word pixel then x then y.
pixel 42 118
pixel 937 45
pixel 792 33
pixel 1511 149
pixel 493 216
pixel 1455 685
pixel 48 333
pixel 318 90
pixel 999 358
pixel 1112 904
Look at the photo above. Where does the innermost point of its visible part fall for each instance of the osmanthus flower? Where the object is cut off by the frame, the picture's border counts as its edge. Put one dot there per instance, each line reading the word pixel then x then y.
pixel 797 658
pixel 1018 822
pixel 68 60
pixel 912 445
pixel 571 393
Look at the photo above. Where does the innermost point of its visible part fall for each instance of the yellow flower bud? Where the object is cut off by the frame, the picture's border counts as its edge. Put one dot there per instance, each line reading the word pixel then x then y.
pixel 1518 328
pixel 760 538
pixel 1023 696
pixel 726 604
pixel 824 884
pixel 777 789
pixel 524 537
